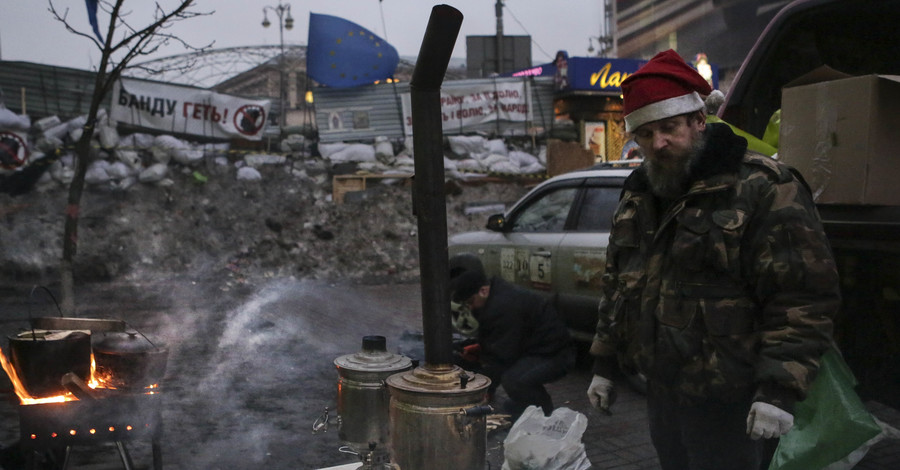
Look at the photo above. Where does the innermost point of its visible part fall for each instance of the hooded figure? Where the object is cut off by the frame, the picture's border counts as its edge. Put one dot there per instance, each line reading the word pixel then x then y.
pixel 522 342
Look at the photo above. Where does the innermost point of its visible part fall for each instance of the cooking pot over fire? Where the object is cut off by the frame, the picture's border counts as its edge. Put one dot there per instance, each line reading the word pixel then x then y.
pixel 40 358
pixel 128 360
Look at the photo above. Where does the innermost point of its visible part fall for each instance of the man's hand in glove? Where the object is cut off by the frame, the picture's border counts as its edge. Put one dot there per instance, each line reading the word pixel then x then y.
pixel 471 353
pixel 601 393
pixel 768 421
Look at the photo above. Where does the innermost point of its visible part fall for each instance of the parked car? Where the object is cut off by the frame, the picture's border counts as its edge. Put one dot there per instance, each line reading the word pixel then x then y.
pixel 554 240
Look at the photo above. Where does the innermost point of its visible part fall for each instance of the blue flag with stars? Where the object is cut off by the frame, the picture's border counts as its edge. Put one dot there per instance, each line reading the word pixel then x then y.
pixel 343 54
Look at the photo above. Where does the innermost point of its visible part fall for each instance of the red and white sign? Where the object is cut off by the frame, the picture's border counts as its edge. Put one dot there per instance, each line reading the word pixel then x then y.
pixel 13 149
pixel 469 105
pixel 187 110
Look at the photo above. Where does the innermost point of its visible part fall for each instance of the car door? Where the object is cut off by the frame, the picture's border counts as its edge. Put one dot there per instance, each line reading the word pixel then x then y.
pixel 535 231
pixel 580 258
pixel 523 252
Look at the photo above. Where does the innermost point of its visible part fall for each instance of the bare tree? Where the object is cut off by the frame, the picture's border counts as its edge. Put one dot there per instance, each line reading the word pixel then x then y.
pixel 123 42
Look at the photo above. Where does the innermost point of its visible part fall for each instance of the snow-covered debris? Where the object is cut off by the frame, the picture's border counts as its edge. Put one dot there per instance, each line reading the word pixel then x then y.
pixel 248 174
pixel 257 160
pixel 154 173
pixel 97 172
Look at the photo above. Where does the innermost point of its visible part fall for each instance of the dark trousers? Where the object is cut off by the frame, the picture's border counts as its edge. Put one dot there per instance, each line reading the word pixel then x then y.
pixel 711 436
pixel 524 380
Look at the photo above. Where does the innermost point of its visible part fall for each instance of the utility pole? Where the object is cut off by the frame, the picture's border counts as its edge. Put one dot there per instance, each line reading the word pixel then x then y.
pixel 607 44
pixel 611 18
pixel 283 23
pixel 498 10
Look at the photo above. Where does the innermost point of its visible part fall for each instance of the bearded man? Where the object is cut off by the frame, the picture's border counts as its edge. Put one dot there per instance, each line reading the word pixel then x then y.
pixel 720 285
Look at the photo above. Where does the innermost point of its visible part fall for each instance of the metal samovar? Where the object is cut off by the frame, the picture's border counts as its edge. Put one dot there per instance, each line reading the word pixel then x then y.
pixel 363 400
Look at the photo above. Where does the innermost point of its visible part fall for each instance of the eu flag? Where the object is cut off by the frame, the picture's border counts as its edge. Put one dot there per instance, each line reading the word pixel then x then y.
pixel 92 18
pixel 343 54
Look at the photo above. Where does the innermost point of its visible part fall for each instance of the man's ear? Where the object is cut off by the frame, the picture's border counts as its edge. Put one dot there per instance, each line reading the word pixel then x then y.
pixel 701 120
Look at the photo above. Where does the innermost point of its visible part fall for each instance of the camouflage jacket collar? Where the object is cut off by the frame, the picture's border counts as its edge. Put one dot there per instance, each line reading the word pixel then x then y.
pixel 718 163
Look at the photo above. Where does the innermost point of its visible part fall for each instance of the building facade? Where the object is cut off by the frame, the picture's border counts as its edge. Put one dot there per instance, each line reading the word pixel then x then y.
pixel 724 30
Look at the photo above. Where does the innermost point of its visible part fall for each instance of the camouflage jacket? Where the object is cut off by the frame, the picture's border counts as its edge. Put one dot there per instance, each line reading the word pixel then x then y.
pixel 728 292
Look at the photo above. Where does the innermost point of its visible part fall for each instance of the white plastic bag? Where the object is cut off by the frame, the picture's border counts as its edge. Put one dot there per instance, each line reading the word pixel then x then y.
pixel 543 442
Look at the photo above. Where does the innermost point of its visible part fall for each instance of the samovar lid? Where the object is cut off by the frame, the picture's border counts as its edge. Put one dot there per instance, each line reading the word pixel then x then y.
pixel 373 358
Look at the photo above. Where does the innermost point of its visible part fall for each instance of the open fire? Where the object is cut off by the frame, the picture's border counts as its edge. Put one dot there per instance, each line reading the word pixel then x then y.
pixel 106 403
pixel 97 381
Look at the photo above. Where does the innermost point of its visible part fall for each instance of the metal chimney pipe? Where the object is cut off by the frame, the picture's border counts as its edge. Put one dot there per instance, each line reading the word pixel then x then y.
pixel 428 197
pixel 431 399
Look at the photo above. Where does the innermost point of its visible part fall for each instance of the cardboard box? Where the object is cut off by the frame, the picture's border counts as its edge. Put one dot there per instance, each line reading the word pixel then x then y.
pixel 843 134
pixel 563 157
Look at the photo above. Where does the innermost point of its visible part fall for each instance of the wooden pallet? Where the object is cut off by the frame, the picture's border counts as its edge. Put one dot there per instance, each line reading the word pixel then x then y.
pixel 343 184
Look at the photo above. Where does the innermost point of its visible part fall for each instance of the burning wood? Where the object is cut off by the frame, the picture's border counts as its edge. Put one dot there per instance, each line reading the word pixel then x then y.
pixel 76 388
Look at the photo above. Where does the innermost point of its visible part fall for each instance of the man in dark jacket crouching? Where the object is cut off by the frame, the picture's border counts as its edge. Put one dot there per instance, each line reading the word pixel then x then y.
pixel 522 342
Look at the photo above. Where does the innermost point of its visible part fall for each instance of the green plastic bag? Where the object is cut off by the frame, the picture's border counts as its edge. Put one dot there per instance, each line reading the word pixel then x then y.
pixel 829 424
pixel 773 127
pixel 753 143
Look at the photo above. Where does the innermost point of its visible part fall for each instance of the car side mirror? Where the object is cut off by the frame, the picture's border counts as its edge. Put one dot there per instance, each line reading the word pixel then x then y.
pixel 496 222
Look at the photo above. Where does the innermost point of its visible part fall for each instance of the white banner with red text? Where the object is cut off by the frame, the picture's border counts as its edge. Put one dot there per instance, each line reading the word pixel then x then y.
pixel 468 105
pixel 187 110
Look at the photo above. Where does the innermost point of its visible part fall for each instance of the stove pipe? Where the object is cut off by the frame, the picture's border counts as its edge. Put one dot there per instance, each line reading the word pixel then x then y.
pixel 430 427
pixel 429 198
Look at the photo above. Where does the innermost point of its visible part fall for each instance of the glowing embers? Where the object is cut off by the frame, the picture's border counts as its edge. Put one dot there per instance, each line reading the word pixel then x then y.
pixel 82 422
pixel 108 434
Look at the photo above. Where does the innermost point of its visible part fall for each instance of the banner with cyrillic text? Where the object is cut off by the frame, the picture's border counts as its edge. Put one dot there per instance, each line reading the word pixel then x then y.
pixel 187 110
pixel 470 105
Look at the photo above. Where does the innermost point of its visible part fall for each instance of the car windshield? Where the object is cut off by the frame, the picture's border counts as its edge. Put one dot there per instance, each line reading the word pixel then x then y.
pixel 546 214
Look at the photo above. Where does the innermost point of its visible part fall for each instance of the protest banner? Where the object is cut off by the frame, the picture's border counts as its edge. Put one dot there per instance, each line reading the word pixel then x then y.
pixel 468 105
pixel 187 110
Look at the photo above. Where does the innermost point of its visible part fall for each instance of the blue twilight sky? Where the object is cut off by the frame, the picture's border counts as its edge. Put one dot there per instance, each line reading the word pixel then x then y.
pixel 29 33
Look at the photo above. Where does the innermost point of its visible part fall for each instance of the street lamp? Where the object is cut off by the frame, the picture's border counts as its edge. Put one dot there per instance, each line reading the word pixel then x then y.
pixel 604 43
pixel 285 21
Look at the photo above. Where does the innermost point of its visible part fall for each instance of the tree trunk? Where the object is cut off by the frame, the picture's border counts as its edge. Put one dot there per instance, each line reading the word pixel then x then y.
pixel 73 209
pixel 102 85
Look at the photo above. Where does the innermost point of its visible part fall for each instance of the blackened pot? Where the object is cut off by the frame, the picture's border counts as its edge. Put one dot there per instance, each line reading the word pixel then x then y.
pixel 41 358
pixel 128 360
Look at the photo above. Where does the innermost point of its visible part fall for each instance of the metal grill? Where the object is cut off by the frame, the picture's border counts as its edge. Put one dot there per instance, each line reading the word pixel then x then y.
pixel 55 428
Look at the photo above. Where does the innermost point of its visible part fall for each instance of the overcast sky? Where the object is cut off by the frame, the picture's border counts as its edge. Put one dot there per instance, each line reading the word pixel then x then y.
pixel 29 33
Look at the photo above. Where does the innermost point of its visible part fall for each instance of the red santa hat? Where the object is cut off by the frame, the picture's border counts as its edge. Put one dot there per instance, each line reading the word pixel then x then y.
pixel 665 86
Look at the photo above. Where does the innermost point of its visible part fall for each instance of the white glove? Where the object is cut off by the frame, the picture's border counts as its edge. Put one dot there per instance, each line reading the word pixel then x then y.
pixel 768 421
pixel 601 393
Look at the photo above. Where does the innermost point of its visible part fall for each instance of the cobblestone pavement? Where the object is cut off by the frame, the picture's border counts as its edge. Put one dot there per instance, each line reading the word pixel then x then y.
pixel 251 368
pixel 622 441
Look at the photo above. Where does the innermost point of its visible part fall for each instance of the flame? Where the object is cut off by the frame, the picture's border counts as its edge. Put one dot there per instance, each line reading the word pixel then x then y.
pixel 24 397
pixel 97 380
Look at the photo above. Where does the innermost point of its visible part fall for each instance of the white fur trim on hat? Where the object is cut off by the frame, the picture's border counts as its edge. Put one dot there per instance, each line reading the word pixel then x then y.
pixel 663 109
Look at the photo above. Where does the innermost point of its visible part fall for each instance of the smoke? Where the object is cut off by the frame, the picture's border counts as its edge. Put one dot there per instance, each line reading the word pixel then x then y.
pixel 256 373
pixel 250 369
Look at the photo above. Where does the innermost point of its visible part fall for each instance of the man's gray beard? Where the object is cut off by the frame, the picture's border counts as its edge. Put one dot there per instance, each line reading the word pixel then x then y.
pixel 670 184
